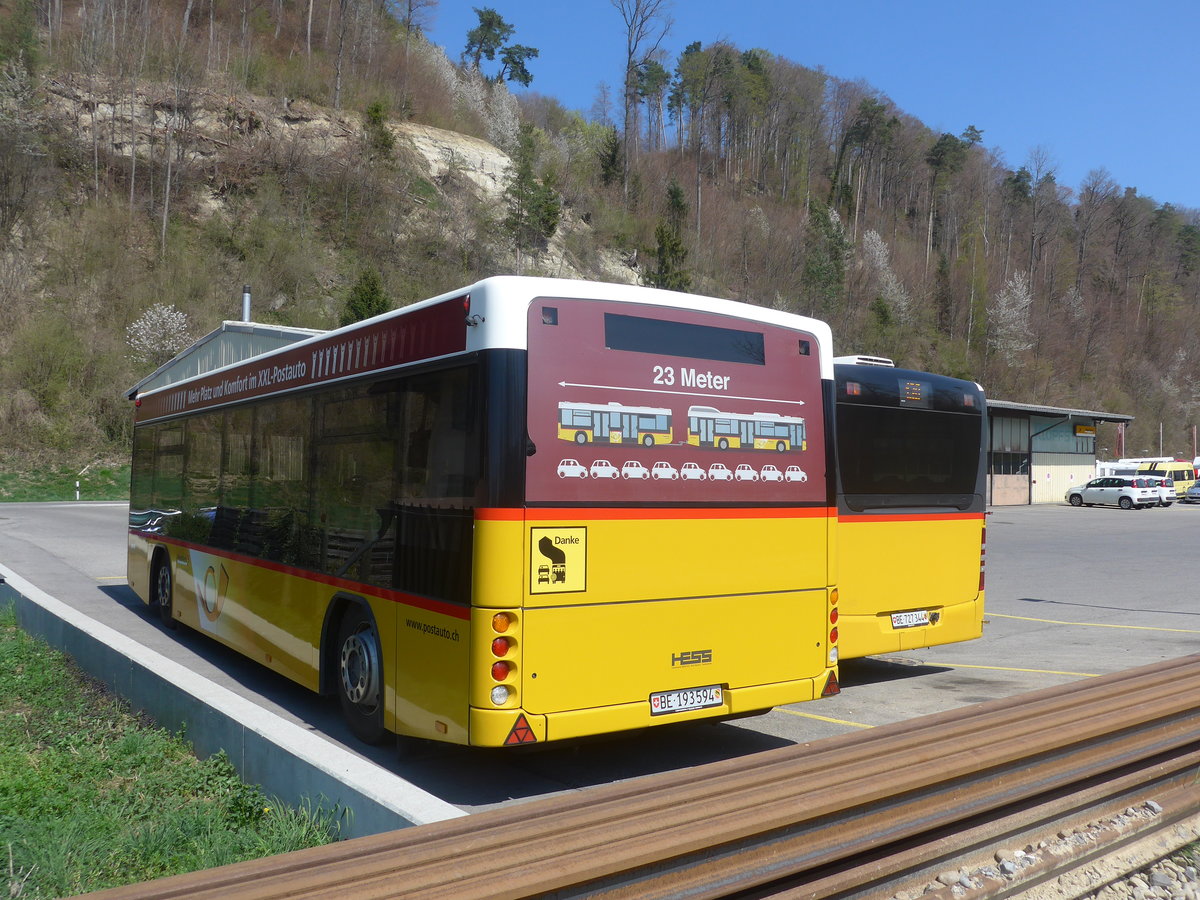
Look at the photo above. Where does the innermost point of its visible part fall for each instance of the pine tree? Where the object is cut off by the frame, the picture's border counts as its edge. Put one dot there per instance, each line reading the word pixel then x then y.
pixel 366 299
pixel 670 273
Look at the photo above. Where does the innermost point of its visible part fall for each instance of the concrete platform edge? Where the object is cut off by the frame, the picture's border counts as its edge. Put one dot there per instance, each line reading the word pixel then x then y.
pixel 287 761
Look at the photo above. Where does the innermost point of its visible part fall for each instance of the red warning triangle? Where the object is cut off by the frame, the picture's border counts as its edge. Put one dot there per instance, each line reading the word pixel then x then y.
pixel 521 733
pixel 831 686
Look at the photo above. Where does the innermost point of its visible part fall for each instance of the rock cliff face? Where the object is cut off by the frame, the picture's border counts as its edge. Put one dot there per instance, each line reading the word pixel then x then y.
pixel 227 134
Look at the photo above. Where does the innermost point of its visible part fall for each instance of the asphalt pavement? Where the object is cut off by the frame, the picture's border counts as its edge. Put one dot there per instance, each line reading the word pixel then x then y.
pixel 1071 593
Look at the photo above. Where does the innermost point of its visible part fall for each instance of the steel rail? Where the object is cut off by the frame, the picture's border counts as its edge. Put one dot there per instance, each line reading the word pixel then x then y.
pixel 801 819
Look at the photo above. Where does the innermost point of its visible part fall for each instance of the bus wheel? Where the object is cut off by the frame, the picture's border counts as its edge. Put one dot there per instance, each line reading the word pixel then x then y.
pixel 360 675
pixel 780 446
pixel 164 596
pixel 648 440
pixel 581 437
pixel 722 444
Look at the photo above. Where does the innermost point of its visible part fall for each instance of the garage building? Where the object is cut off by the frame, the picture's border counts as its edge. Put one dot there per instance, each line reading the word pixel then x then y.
pixel 1036 453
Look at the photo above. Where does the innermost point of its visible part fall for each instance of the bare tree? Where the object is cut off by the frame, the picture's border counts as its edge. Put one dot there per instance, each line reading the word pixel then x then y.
pixel 646 24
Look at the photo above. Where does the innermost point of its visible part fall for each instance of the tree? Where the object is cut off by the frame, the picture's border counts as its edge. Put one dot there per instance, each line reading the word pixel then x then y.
pixel 610 157
pixel 646 24
pixel 158 334
pixel 1008 319
pixel 512 63
pixel 669 272
pixel 366 298
pixel 533 208
pixel 485 40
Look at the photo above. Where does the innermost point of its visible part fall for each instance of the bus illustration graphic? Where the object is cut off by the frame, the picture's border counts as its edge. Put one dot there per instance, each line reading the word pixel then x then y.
pixel 613 423
pixel 708 427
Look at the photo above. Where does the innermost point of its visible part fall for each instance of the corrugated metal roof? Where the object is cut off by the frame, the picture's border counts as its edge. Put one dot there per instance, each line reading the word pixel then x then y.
pixel 232 342
pixel 1037 409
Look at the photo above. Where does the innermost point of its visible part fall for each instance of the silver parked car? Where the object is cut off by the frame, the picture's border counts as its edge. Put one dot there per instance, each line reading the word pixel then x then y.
pixel 1192 495
pixel 1114 490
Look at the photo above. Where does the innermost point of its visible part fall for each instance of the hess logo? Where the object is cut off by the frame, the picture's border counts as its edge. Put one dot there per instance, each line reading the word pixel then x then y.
pixel 691 658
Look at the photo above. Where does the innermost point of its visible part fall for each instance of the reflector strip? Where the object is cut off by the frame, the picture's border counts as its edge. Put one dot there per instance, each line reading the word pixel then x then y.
pixel 521 733
pixel 831 686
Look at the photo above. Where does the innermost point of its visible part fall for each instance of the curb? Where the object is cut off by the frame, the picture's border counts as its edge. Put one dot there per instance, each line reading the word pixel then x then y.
pixel 284 759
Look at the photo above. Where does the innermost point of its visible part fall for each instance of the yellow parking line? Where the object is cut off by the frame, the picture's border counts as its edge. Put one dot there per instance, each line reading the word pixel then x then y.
pixel 792 712
pixel 1013 669
pixel 992 615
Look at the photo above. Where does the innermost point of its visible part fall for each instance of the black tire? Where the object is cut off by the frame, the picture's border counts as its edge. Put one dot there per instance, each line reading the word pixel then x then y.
pixel 1125 503
pixel 647 440
pixel 1076 500
pixel 722 444
pixel 164 593
pixel 581 437
pixel 780 446
pixel 360 675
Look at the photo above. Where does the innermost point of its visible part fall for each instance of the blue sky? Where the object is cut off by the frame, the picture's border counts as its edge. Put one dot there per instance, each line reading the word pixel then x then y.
pixel 1093 83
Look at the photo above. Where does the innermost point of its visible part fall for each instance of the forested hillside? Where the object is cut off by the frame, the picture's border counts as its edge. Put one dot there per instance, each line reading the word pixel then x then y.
pixel 156 156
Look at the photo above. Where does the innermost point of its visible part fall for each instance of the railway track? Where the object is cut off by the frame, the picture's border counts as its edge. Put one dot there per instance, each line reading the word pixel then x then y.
pixel 861 815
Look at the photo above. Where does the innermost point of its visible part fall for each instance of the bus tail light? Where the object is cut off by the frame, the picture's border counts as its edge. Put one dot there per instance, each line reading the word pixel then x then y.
pixel 982 556
pixel 500 694
pixel 501 670
pixel 501 646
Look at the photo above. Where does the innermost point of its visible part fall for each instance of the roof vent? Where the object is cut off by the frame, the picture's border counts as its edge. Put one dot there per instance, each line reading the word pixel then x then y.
pixel 864 361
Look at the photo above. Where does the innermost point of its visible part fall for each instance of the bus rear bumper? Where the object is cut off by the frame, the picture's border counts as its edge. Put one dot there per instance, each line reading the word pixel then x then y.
pixel 508 727
pixel 863 635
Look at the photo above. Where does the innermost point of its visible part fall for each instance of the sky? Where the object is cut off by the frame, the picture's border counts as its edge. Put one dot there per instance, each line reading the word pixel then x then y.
pixel 1091 84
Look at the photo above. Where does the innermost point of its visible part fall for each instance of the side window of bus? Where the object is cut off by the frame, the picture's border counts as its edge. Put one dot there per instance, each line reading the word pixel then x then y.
pixel 439 462
pixel 168 469
pixel 142 483
pixel 354 482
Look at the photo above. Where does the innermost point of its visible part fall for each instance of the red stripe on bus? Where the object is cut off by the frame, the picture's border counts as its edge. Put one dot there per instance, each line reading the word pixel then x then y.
pixel 457 611
pixel 913 517
pixel 607 513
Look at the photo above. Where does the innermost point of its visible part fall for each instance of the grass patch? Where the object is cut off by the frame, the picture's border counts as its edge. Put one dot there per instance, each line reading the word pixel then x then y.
pixel 36 484
pixel 91 797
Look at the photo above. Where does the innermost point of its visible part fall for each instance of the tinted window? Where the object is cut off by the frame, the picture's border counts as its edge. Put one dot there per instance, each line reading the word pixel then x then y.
pixel 643 335
pixel 904 451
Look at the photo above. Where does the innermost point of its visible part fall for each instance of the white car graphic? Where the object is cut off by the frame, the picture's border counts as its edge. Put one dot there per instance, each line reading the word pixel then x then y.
pixel 692 472
pixel 602 468
pixel 795 473
pixel 634 469
pixel 571 468
pixel 770 473
pixel 664 470
pixel 745 473
pixel 718 472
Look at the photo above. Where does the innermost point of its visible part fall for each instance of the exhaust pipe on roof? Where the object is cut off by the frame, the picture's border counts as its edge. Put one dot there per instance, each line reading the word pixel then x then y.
pixel 245 303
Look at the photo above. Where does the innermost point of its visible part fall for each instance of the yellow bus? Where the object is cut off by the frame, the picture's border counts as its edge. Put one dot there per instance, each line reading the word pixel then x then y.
pixel 911 464
pixel 388 513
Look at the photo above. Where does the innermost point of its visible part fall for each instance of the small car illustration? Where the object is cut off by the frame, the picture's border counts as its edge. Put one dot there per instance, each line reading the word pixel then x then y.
pixel 795 473
pixel 692 472
pixel 634 469
pixel 664 470
pixel 745 473
pixel 602 468
pixel 571 468
pixel 770 473
pixel 718 472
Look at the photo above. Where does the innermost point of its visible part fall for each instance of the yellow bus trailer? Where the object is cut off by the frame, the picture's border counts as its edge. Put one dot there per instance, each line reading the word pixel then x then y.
pixel 911 464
